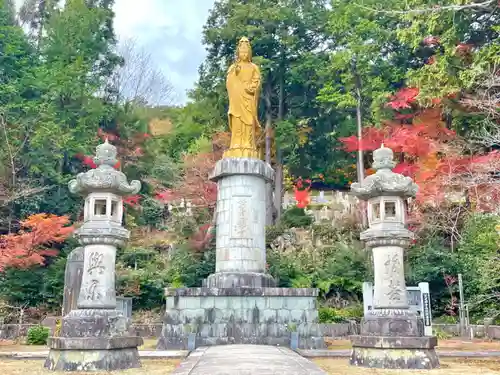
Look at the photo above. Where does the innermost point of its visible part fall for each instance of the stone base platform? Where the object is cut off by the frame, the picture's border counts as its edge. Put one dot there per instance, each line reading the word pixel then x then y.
pixel 239 279
pixel 94 340
pixel 264 316
pixel 110 358
pixel 394 352
pixel 393 339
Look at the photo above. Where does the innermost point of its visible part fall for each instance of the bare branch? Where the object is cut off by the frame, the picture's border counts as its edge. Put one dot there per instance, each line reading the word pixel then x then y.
pixel 139 80
pixel 436 8
pixel 25 193
pixel 9 150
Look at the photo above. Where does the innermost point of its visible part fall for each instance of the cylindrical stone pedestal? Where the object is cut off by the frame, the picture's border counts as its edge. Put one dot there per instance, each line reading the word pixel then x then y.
pixel 390 288
pixel 241 218
pixel 391 336
pixel 98 279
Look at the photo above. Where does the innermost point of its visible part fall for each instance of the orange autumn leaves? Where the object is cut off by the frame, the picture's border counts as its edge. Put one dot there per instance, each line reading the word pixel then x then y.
pixel 34 241
pixel 426 149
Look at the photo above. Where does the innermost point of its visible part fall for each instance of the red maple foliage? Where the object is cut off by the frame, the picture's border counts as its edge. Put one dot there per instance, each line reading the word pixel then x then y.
pixel 403 98
pixel 430 153
pixel 129 149
pixel 34 241
pixel 89 161
pixel 195 185
pixel 132 200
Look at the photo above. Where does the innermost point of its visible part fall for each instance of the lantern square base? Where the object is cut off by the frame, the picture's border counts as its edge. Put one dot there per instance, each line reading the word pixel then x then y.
pixel 94 340
pixel 394 352
pixel 392 325
pixel 95 323
pixel 77 360
pixel 394 339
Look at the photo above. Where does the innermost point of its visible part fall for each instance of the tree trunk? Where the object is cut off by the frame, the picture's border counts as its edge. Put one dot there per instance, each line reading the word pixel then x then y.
pixel 278 183
pixel 269 114
pixel 43 14
pixel 268 139
pixel 359 120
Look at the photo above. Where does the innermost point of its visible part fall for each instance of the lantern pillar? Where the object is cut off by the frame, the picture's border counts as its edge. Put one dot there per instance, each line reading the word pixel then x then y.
pixel 392 336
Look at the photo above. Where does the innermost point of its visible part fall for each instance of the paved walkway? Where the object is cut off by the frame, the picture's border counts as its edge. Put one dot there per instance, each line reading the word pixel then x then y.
pixel 344 353
pixel 246 360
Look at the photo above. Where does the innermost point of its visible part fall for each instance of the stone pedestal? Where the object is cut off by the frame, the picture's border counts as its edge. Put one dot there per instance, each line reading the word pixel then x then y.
pixel 239 303
pixel 393 339
pixel 391 335
pixel 241 218
pixel 394 352
pixel 94 340
pixel 259 316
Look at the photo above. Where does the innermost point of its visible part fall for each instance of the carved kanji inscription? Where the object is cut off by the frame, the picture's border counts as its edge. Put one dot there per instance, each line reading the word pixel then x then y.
pixel 240 218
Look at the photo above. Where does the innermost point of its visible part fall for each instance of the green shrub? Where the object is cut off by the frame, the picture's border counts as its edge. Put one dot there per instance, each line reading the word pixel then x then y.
pixel 284 268
pixel 353 312
pixel 152 212
pixel 330 315
pixel 295 217
pixel 478 255
pixel 344 315
pixel 38 335
pixel 445 319
pixel 442 335
pixel 37 285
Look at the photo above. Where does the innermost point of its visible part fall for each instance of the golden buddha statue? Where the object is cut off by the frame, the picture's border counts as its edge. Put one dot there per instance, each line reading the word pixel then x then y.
pixel 243 87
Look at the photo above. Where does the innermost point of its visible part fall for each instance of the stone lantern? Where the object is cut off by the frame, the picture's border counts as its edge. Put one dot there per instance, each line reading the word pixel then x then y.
pixel 392 336
pixel 95 336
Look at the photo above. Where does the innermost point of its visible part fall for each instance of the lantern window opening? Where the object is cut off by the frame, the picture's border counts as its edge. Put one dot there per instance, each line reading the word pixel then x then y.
pixel 100 206
pixel 390 210
pixel 114 209
pixel 376 213
pixel 87 211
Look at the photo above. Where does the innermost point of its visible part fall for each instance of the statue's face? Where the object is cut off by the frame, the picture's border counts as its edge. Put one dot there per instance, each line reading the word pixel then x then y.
pixel 244 52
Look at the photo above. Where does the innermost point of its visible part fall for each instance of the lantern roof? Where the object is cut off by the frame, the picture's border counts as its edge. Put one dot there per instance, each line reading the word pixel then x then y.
pixel 105 178
pixel 384 182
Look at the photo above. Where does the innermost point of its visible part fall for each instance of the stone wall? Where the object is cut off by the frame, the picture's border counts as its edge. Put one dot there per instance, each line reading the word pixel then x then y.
pixel 492 332
pixel 331 331
pixel 262 316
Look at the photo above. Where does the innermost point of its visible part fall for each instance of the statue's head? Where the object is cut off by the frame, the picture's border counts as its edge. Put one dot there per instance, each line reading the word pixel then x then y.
pixel 244 50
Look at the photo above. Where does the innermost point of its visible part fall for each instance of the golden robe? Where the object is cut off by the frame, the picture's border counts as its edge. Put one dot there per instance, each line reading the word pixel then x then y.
pixel 243 87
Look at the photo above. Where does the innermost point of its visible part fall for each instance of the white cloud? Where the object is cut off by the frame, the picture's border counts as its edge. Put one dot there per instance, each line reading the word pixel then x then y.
pixel 170 30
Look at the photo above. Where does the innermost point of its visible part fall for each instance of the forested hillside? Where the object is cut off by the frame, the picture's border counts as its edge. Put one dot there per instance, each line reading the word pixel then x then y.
pixel 421 76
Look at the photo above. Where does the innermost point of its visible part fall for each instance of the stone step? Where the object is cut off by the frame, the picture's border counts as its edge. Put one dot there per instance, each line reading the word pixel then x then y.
pixel 144 354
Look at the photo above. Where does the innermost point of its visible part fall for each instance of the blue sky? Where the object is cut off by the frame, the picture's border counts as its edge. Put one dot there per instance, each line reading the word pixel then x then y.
pixel 171 31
